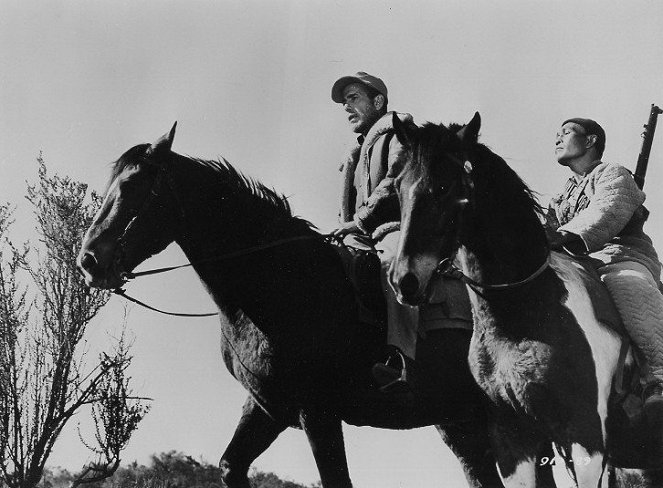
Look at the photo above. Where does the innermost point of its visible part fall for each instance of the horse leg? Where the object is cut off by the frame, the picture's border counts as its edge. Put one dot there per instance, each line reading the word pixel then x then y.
pixel 529 467
pixel 470 443
pixel 516 448
pixel 254 434
pixel 544 471
pixel 589 468
pixel 325 435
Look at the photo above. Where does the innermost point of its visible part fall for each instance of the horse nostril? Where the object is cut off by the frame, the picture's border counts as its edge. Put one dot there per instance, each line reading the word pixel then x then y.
pixel 409 285
pixel 88 261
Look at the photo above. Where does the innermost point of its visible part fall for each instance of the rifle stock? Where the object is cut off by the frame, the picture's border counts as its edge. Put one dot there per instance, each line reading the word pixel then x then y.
pixel 647 139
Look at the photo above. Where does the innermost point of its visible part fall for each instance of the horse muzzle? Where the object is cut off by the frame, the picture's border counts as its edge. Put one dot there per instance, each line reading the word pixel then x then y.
pixel 410 283
pixel 410 291
pixel 97 275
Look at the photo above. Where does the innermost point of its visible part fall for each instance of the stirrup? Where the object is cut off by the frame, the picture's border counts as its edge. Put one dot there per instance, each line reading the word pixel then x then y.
pixel 652 391
pixel 652 396
pixel 400 382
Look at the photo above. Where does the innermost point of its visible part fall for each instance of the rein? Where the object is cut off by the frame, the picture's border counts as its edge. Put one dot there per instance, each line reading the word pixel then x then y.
pixel 448 269
pixel 126 276
pixel 242 252
pixel 123 294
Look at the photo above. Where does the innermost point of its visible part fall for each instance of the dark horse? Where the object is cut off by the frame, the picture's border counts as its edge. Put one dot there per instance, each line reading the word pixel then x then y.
pixel 289 321
pixel 541 349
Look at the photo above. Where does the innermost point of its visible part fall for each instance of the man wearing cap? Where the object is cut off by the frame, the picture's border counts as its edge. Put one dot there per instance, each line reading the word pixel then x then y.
pixel 600 212
pixel 369 200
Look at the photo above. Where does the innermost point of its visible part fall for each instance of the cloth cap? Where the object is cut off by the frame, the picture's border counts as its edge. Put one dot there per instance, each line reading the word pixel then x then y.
pixel 359 77
pixel 591 127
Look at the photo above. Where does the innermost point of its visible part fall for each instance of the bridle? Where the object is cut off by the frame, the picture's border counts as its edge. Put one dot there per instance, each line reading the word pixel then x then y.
pixel 155 192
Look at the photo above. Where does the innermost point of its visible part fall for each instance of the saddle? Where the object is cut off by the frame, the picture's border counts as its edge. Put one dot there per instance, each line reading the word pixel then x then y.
pixel 362 268
pixel 448 305
pixel 585 270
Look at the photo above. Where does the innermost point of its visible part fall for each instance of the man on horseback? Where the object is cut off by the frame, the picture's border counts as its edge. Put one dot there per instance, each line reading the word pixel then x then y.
pixel 369 200
pixel 600 213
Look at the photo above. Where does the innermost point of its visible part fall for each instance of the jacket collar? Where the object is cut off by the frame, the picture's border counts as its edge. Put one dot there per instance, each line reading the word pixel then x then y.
pixel 383 125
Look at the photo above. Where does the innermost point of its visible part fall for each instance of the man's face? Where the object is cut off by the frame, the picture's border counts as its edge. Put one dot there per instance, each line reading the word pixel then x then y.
pixel 362 111
pixel 570 143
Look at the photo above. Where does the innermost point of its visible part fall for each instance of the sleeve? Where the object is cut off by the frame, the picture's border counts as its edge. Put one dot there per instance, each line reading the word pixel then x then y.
pixel 616 198
pixel 551 222
pixel 348 193
pixel 382 206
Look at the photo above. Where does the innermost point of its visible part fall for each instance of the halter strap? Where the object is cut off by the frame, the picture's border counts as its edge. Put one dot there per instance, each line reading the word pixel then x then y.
pixel 447 268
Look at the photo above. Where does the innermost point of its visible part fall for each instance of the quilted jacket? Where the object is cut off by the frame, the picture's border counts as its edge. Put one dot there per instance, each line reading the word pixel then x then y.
pixel 605 209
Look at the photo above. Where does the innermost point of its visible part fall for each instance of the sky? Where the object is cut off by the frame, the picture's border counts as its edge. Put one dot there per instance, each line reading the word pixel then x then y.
pixel 250 81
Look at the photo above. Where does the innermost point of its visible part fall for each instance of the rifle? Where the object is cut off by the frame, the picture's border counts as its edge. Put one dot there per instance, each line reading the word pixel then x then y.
pixel 647 139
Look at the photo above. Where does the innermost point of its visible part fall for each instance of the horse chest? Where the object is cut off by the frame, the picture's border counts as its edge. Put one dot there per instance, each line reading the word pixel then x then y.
pixel 511 373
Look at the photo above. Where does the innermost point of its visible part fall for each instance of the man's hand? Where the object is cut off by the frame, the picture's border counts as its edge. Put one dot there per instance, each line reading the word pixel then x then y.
pixel 561 240
pixel 345 229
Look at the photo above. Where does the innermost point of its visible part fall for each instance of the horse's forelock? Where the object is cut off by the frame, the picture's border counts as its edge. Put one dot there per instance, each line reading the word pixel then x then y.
pixel 432 143
pixel 131 157
pixel 488 166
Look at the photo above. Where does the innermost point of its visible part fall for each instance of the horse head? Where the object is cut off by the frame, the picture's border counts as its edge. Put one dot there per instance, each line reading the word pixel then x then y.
pixel 434 188
pixel 135 218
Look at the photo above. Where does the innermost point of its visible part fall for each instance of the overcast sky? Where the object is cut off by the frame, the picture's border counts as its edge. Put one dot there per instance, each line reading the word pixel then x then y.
pixel 250 81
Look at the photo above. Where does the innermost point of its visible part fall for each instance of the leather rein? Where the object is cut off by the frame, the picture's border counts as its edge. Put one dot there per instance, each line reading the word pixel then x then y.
pixel 448 269
pixel 126 276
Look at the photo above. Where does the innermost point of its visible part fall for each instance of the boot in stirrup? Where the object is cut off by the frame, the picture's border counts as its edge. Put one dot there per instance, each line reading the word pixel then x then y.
pixel 392 375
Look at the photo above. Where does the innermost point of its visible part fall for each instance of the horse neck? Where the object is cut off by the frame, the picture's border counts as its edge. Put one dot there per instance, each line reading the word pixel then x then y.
pixel 222 218
pixel 222 213
pixel 502 247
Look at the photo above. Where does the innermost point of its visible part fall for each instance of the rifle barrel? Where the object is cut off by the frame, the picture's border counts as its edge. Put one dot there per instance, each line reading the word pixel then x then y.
pixel 647 139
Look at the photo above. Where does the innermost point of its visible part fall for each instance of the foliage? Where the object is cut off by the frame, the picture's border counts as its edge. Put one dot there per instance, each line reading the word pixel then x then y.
pixel 43 379
pixel 172 470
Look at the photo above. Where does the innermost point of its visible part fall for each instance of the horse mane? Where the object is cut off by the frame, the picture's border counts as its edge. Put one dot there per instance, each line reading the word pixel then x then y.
pixel 510 185
pixel 245 185
pixel 488 167
pixel 262 198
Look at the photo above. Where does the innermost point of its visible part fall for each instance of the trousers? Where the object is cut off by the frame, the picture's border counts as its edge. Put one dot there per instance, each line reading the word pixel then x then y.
pixel 640 305
pixel 402 320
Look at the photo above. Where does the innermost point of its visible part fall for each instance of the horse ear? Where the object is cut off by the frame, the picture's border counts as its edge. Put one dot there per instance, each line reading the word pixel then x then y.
pixel 164 143
pixel 469 134
pixel 400 130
